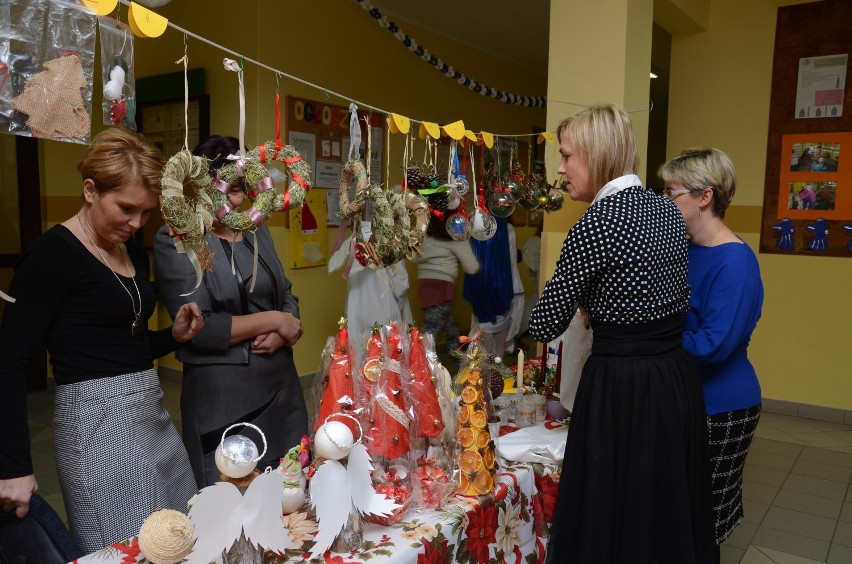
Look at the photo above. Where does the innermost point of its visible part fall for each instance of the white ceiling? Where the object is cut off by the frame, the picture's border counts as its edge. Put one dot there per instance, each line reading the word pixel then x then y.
pixel 511 30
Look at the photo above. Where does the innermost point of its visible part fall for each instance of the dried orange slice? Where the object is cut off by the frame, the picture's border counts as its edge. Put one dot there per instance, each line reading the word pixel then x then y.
pixel 478 419
pixel 469 394
pixel 470 461
pixel 464 415
pixel 488 458
pixel 483 482
pixel 372 369
pixel 464 483
pixel 473 376
pixel 466 437
pixel 483 438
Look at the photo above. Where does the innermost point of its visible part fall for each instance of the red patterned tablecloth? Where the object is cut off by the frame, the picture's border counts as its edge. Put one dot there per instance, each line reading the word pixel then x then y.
pixel 509 525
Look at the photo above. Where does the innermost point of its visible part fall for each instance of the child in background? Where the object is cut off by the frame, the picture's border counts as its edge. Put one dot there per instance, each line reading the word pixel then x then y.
pixel 437 270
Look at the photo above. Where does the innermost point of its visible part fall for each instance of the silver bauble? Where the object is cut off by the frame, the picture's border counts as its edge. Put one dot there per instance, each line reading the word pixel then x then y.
pixel 460 184
pixel 458 227
pixel 482 225
pixel 236 456
pixel 554 201
pixel 514 184
pixel 500 202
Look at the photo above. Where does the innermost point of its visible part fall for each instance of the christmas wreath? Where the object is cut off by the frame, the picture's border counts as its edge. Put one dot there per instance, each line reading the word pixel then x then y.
pixel 353 170
pixel 297 169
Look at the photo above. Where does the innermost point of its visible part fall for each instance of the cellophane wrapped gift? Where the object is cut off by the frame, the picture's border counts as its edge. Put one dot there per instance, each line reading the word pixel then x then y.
pixel 428 392
pixel 387 432
pixel 475 455
pixel 334 386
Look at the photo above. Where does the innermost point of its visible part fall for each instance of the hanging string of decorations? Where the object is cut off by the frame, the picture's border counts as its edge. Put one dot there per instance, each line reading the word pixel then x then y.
pixel 447 70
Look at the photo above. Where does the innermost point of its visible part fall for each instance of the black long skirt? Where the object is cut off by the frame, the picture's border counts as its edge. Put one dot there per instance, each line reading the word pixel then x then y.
pixel 635 485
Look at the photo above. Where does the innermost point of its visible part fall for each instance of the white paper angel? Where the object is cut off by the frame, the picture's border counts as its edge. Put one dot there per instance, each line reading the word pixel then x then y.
pixel 337 490
pixel 220 513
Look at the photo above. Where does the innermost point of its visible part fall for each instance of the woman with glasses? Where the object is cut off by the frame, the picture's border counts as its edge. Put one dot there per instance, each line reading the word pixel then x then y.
pixel 635 483
pixel 725 304
pixel 239 368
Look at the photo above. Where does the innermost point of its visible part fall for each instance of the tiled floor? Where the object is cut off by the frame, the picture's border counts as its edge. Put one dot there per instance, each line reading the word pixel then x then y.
pixel 798 498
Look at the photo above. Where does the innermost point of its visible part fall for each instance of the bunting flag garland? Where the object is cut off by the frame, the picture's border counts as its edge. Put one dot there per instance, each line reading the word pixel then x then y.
pixel 447 70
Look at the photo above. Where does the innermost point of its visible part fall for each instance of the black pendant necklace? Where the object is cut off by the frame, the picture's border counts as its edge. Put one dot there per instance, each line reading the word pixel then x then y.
pixel 137 328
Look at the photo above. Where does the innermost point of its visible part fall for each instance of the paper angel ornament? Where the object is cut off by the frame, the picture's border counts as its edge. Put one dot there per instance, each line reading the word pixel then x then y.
pixel 428 420
pixel 220 513
pixel 339 393
pixel 338 490
pixel 389 433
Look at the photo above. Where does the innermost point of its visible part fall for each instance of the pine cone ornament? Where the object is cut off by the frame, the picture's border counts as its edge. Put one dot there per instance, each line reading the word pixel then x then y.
pixel 494 381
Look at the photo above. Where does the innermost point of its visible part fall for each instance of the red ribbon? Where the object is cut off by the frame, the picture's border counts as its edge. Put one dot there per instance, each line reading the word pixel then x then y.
pixel 278 144
pixel 262 151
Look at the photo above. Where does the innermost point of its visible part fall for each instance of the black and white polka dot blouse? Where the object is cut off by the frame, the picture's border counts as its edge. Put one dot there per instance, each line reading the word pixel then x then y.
pixel 625 262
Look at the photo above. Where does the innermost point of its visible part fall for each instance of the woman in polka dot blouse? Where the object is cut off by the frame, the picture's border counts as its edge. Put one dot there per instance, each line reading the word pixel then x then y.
pixel 635 478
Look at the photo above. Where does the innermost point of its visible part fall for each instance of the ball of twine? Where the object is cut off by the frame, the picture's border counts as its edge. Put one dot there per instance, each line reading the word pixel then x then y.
pixel 166 537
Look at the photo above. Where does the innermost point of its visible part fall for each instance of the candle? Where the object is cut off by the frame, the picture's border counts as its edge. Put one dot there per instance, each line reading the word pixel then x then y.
pixel 519 380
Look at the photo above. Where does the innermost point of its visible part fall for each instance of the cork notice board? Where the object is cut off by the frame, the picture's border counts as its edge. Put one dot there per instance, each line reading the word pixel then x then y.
pixel 807 201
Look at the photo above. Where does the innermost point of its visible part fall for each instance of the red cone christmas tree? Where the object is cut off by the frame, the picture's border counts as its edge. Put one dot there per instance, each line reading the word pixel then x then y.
pixel 388 430
pixel 339 393
pixel 427 412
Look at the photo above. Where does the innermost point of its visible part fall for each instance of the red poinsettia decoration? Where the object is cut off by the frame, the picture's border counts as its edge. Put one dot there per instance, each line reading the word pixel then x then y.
pixel 434 552
pixel 544 500
pixel 481 530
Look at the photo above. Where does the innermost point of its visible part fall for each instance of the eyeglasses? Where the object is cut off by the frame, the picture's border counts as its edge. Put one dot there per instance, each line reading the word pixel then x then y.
pixel 674 194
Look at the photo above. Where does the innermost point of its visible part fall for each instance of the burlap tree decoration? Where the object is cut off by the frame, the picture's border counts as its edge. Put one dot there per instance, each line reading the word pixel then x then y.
pixel 53 102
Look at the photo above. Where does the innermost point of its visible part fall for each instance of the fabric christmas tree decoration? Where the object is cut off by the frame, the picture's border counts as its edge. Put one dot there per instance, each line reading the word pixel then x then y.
pixel 427 411
pixel 389 433
pixel 53 102
pixel 339 393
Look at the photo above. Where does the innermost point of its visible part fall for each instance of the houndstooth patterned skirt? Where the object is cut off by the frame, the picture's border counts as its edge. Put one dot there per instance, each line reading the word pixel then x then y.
pixel 730 435
pixel 118 456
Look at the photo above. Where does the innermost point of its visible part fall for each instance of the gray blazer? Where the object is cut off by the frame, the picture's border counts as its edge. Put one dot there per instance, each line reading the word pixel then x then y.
pixel 218 296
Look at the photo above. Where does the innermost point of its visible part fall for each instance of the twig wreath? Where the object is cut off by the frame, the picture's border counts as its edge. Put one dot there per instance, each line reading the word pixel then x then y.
pixel 189 217
pixel 393 237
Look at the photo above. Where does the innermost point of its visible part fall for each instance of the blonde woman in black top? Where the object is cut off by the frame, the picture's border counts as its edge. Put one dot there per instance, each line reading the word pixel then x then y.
pixel 635 481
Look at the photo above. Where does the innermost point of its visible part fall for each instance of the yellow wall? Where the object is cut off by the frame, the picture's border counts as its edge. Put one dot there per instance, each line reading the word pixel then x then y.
pixel 721 70
pixel 720 97
pixel 338 46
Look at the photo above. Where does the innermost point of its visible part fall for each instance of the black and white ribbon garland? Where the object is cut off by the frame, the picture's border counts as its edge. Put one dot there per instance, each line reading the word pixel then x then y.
pixel 447 70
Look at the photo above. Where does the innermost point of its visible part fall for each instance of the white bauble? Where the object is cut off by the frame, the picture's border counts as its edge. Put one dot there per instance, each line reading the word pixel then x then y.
pixel 293 499
pixel 236 456
pixel 333 440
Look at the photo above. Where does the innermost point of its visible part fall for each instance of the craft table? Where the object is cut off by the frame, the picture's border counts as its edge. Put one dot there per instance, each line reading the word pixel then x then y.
pixel 509 525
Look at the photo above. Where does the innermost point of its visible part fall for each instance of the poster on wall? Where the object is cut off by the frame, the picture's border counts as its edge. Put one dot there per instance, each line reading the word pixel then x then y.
pixel 308 232
pixel 814 209
pixel 820 86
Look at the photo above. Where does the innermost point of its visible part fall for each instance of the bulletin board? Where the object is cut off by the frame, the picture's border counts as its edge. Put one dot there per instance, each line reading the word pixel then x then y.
pixel 807 202
pixel 320 132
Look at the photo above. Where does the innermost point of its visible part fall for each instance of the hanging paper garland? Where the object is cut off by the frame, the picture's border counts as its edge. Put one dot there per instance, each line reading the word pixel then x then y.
pixel 448 71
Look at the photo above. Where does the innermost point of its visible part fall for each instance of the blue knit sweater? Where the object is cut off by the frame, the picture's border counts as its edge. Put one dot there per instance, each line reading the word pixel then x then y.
pixel 726 300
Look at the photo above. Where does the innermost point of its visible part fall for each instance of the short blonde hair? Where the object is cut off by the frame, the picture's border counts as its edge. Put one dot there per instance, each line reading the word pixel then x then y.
pixel 116 156
pixel 603 136
pixel 701 168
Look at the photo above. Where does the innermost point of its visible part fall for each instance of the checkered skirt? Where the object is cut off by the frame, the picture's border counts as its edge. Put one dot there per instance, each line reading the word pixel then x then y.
pixel 730 435
pixel 118 456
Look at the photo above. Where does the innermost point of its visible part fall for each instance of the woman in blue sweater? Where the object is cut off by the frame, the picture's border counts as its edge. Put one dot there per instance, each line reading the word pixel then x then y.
pixel 727 295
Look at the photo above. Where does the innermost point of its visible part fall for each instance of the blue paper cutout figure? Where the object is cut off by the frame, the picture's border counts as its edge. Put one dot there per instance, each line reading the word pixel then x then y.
pixel 785 229
pixel 820 230
pixel 848 228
